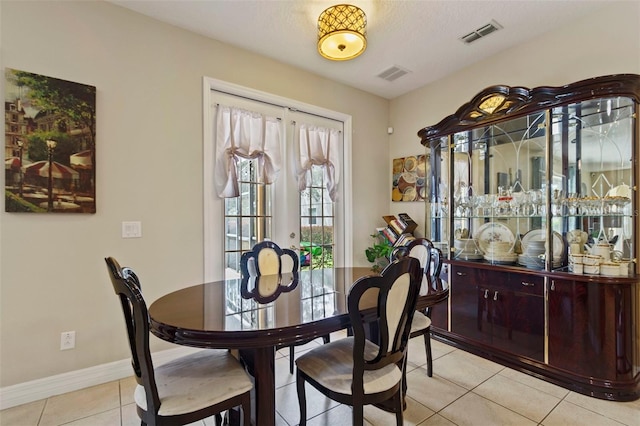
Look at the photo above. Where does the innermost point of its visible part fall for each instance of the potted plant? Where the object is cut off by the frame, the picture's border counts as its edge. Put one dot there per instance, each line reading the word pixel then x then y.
pixel 378 254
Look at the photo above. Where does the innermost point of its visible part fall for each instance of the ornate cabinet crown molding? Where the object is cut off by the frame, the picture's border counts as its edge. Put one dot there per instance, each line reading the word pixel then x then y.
pixel 500 102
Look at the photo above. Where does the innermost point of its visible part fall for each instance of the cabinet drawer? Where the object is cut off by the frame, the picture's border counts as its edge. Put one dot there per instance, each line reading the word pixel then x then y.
pixel 525 283
pixel 463 273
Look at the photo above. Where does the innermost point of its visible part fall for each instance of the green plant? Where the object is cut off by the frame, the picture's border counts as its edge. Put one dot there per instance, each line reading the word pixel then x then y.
pixel 379 252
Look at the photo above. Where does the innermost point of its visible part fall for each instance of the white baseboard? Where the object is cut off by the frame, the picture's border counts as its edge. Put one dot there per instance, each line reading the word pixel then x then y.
pixel 26 392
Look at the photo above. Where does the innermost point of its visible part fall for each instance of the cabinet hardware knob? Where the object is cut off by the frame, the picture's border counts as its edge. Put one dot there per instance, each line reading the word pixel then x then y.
pixel 527 284
pixel 486 294
pixel 461 274
pixel 495 295
pixel 553 285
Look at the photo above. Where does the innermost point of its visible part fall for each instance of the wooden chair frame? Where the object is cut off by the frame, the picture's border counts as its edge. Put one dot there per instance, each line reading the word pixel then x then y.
pixel 127 286
pixel 391 350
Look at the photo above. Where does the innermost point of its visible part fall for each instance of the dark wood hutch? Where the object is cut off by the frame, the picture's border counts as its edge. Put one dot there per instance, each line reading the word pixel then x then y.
pixel 533 200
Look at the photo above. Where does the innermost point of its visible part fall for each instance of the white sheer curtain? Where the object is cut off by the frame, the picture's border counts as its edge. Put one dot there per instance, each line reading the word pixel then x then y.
pixel 245 134
pixel 319 146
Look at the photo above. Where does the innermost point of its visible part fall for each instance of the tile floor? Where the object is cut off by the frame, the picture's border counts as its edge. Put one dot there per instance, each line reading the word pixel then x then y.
pixel 464 390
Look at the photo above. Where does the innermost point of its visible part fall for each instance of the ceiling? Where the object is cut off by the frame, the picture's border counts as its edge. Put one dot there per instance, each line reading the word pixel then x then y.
pixel 420 36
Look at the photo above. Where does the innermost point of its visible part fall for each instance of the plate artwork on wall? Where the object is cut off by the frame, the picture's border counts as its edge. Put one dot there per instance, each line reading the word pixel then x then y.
pixel 50 144
pixel 409 178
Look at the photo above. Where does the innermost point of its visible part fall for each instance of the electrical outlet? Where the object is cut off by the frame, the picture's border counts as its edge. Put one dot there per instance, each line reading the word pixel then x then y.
pixel 67 340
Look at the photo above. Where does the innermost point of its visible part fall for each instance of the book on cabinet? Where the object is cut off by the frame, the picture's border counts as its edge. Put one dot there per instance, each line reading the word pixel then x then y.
pixel 399 230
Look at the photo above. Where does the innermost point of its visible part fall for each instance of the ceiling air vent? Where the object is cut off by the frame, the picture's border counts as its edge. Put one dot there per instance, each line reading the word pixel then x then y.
pixel 485 30
pixel 393 73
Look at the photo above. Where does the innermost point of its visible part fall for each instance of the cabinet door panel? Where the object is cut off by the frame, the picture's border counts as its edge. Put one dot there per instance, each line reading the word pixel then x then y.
pixel 440 312
pixel 589 327
pixel 518 323
pixel 470 315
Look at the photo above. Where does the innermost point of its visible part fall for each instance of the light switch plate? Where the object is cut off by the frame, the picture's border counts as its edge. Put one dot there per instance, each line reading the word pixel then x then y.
pixel 131 229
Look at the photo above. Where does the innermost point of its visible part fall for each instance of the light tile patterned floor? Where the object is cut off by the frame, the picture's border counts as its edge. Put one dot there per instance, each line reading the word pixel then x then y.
pixel 464 390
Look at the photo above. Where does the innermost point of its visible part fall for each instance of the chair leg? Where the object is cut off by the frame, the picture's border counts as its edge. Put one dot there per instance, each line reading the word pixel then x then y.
pixel 291 360
pixel 302 402
pixel 427 347
pixel 358 415
pixel 326 338
pixel 218 418
pixel 398 402
pixel 246 409
pixel 404 375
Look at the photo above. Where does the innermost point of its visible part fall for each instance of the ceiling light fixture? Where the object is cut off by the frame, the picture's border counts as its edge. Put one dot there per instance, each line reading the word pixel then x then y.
pixel 342 32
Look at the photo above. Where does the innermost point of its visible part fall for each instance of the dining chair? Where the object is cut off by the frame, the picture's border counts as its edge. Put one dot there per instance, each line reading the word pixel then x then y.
pixel 187 389
pixel 273 270
pixel 430 259
pixel 354 370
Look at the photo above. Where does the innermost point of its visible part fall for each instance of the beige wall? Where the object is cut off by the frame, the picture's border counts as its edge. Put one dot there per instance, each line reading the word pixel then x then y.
pixel 149 79
pixel 149 153
pixel 606 42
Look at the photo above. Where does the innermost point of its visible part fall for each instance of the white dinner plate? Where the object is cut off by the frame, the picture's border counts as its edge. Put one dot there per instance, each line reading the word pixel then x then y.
pixel 493 231
pixel 541 235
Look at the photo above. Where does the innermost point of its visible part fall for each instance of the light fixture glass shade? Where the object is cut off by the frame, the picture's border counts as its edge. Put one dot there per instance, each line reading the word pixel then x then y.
pixel 342 32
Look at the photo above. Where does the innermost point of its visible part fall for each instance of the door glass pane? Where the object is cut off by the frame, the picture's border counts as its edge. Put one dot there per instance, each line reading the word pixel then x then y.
pixel 247 217
pixel 316 224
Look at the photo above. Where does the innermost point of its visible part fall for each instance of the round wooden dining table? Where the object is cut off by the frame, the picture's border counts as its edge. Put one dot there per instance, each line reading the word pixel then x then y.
pixel 221 315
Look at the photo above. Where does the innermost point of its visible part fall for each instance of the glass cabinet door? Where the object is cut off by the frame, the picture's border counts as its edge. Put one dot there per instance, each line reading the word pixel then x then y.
pixel 438 203
pixel 593 181
pixel 499 193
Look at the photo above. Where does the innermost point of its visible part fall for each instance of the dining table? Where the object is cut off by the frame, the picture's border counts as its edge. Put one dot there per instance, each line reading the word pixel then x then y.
pixel 257 321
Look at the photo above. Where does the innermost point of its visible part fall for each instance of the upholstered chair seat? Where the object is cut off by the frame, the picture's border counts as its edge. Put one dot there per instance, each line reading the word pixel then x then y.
pixel 195 382
pixel 332 366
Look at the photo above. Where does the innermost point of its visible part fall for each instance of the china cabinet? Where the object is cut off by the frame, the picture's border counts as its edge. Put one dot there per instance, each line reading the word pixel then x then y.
pixel 533 197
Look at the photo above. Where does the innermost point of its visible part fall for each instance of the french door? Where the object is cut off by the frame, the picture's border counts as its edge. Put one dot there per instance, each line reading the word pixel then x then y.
pixel 306 221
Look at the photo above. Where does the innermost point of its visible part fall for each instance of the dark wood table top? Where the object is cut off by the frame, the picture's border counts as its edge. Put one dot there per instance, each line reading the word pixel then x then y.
pixel 216 315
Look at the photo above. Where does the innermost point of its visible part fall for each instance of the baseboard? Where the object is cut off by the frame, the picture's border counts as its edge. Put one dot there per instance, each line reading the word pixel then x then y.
pixel 35 390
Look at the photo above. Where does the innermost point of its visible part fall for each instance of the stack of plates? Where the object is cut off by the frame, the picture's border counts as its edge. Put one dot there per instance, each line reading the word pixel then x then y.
pixel 467 249
pixel 505 258
pixel 536 262
pixel 534 247
pixel 496 241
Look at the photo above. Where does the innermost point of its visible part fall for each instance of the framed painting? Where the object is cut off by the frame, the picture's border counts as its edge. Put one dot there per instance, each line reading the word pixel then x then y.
pixel 409 178
pixel 50 144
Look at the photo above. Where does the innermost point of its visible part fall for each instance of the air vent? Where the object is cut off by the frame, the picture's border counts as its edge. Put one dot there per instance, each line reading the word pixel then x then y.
pixel 393 73
pixel 483 31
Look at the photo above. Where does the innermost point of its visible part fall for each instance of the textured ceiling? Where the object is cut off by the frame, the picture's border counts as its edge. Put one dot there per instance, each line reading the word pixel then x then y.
pixel 419 36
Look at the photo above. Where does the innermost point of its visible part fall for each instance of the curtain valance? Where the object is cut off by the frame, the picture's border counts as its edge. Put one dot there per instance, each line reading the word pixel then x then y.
pixel 319 146
pixel 245 134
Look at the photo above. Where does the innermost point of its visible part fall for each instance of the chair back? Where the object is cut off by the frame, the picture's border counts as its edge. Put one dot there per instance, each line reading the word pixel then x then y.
pixel 390 302
pixel 430 259
pixel 127 287
pixel 268 270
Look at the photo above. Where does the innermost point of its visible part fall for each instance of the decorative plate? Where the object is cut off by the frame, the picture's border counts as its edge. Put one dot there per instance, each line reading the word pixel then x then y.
pixel 540 235
pixel 493 231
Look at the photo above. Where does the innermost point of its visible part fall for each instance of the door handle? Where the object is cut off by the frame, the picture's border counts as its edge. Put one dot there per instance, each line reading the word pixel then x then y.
pixel 527 284
pixel 495 295
pixel 461 274
pixel 486 294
